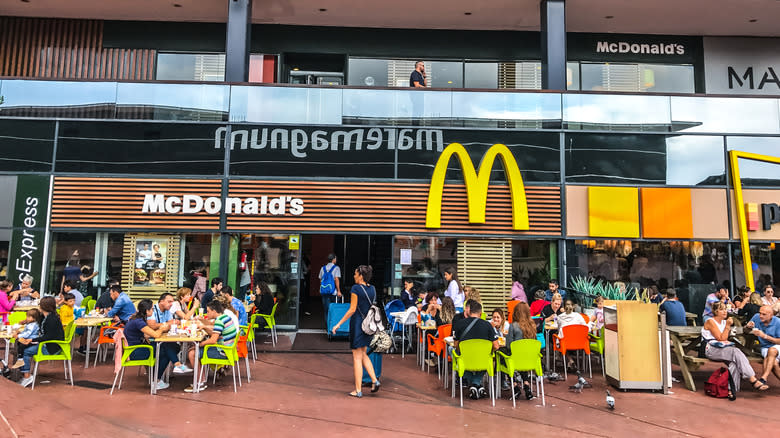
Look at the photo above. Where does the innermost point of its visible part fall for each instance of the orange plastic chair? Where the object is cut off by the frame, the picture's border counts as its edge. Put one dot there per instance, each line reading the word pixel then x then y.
pixel 510 307
pixel 437 345
pixel 575 337
pixel 585 317
pixel 243 353
pixel 103 340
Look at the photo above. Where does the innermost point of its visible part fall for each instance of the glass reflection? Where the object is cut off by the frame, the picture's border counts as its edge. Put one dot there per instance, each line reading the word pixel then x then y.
pixel 616 112
pixel 172 101
pixel 411 105
pixel 285 105
pixel 721 114
pixel 494 106
pixel 757 173
pixel 64 98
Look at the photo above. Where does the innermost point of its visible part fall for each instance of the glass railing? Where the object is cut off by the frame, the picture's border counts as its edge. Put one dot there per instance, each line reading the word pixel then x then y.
pixel 285 104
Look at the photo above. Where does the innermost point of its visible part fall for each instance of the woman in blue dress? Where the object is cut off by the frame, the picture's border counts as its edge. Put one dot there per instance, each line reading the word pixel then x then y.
pixel 362 296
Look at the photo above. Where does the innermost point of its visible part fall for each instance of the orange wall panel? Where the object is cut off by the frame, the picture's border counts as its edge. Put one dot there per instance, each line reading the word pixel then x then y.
pixel 666 213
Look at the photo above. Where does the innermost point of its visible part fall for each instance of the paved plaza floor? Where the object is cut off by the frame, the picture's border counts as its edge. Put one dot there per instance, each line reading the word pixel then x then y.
pixel 305 394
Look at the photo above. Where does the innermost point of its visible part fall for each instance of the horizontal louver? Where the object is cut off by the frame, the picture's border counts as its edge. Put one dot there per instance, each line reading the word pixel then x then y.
pixel 486 264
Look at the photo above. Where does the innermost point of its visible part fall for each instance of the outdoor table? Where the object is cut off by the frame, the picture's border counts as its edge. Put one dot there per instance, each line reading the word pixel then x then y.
pixel 24 307
pixel 422 347
pixel 183 338
pixel 397 317
pixel 89 322
pixel 686 338
pixel 7 336
pixel 691 318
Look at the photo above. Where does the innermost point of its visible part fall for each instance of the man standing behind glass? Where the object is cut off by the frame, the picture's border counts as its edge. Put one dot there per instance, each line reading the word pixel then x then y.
pixel 417 79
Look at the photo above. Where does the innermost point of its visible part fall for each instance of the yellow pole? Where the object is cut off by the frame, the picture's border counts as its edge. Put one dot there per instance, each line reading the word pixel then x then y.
pixel 739 205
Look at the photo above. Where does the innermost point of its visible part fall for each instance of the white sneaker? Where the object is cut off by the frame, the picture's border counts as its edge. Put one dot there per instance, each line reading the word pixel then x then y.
pixel 162 385
pixel 182 369
pixel 26 381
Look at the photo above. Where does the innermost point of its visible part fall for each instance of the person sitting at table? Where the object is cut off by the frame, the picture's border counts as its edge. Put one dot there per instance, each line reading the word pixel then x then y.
pixel 598 315
pixel 459 316
pixel 750 306
pixel 655 295
pixel 31 330
pixel 522 327
pixel 768 295
pixel 674 309
pixel 227 303
pixel 566 318
pixel 25 289
pixel 715 335
pixel 499 322
pixel 472 326
pixel 185 305
pixel 123 307
pixel 446 312
pixel 7 299
pixel 222 331
pixel 766 327
pixel 138 332
pixel 104 302
pixel 51 330
pixel 66 309
pixel 551 311
pixel 264 302
pixel 539 303
pixel 721 295
pixel 237 305
pixel 742 296
pixel 161 312
pixel 216 286
pixel 432 309
pixel 409 295
pixel 69 287
pixel 472 293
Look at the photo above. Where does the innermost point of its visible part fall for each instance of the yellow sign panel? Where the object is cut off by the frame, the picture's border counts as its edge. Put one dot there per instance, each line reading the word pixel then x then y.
pixel 477 183
pixel 294 242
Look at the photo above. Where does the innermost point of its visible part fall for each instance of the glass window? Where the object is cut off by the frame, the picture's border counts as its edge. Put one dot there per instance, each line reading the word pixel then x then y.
pixel 692 268
pixel 523 75
pixel 757 173
pixel 444 74
pixel 201 67
pixel 429 257
pixel 396 72
pixel 766 265
pixel 644 159
pixel 270 260
pixel 70 252
pixel 144 148
pixel 481 75
pixel 159 101
pixel 531 264
pixel 734 115
pixel 26 145
pixel 537 155
pixel 659 78
pixel 572 75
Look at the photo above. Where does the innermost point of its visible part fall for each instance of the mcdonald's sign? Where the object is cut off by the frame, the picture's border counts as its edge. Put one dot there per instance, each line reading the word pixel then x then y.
pixel 477 183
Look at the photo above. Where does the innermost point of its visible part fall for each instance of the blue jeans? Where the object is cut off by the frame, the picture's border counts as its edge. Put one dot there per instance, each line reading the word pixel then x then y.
pixel 168 354
pixel 29 352
pixel 327 300
pixel 473 378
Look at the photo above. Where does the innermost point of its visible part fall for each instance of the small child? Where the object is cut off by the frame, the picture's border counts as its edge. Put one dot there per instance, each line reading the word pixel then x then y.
pixel 598 316
pixel 31 330
pixel 66 309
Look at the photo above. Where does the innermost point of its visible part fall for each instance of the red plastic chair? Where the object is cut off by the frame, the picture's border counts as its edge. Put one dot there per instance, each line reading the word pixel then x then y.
pixel 575 338
pixel 437 345
pixel 510 307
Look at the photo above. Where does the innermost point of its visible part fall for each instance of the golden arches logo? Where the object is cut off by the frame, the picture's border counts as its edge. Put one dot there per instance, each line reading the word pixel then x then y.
pixel 477 183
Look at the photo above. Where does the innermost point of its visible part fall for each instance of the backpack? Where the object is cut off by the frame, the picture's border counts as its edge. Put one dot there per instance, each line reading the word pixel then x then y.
pixel 719 383
pixel 372 320
pixel 328 283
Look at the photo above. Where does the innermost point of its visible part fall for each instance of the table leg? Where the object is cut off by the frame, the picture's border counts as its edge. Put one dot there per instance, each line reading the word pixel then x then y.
pixel 154 368
pixel 89 340
pixel 679 352
pixel 445 364
pixel 403 340
pixel 195 383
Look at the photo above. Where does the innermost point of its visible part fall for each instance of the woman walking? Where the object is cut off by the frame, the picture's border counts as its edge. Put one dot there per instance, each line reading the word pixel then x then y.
pixel 362 295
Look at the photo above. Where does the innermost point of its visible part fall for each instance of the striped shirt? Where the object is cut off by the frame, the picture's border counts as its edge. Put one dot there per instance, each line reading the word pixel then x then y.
pixel 227 330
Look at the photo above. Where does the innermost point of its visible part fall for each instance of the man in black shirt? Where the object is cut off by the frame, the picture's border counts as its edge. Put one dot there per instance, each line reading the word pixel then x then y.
pixel 417 79
pixel 474 327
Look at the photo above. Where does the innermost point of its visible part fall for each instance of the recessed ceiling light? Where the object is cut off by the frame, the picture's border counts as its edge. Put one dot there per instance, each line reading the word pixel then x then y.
pixel 609 17
pixel 25 1
pixel 752 20
pixel 323 10
pixel 467 13
pixel 176 5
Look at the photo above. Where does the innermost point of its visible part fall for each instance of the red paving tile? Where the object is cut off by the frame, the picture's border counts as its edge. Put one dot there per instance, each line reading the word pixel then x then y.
pixel 294 393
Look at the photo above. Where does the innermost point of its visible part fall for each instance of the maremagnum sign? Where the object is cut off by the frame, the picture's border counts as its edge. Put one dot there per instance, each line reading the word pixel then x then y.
pixel 28 239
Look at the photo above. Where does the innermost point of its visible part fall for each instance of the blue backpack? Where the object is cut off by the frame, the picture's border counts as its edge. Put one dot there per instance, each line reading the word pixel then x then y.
pixel 328 283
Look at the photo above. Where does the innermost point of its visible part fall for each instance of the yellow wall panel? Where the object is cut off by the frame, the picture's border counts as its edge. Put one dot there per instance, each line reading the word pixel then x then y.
pixel 613 212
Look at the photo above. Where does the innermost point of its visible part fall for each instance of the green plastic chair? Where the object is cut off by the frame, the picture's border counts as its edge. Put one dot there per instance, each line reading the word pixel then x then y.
pixel 270 322
pixel 474 355
pixel 526 356
pixel 231 359
pixel 16 317
pixel 90 306
pixel 64 355
pixel 249 329
pixel 597 345
pixel 126 362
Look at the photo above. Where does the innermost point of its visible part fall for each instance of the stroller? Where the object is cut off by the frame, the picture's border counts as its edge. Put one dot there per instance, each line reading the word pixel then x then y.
pixel 396 326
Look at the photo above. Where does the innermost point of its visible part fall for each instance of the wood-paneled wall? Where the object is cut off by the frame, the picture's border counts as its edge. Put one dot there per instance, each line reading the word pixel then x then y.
pixel 67 49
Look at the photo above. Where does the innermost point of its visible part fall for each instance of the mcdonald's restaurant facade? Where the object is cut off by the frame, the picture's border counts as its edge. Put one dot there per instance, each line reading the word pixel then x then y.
pixel 149 203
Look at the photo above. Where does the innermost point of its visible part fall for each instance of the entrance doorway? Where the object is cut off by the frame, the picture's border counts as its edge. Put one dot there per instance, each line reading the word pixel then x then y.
pixel 351 250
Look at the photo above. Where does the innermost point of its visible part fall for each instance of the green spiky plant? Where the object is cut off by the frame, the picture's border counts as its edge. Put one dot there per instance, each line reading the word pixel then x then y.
pixel 587 285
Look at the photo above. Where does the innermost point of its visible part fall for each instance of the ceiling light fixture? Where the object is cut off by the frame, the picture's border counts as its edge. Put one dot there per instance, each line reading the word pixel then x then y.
pixel 609 17
pixel 323 10
pixel 467 13
pixel 176 5
pixel 25 1
pixel 752 20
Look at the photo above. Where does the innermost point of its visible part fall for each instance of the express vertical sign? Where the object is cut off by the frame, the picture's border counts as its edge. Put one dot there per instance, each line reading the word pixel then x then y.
pixel 27 241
